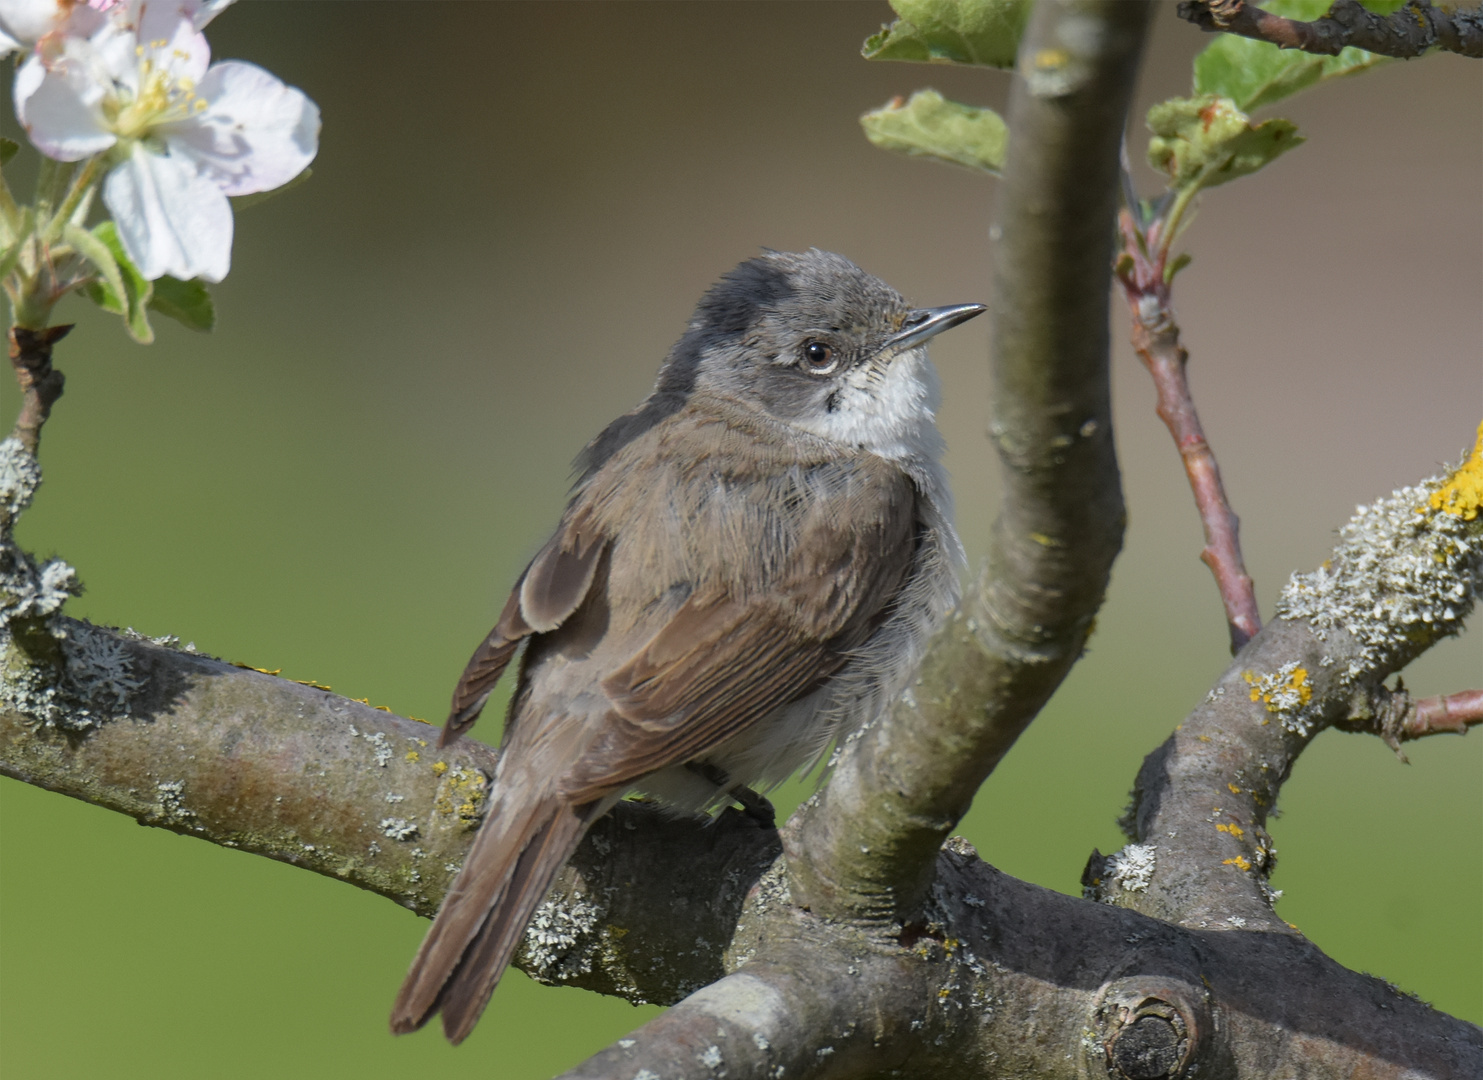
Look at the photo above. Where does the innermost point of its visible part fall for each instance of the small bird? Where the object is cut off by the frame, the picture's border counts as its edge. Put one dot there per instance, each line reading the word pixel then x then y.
pixel 749 567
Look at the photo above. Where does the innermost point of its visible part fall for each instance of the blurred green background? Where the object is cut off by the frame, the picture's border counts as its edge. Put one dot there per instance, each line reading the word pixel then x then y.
pixel 514 208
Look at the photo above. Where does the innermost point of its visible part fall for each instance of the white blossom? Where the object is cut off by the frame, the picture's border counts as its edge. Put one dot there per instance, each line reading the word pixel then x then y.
pixel 180 134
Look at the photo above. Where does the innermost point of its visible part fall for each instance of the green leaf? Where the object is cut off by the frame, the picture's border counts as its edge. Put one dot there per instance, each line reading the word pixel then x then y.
pixel 1179 262
pixel 98 254
pixel 242 202
pixel 8 149
pixel 928 125
pixel 1206 141
pixel 1255 73
pixel 985 32
pixel 137 289
pixel 187 302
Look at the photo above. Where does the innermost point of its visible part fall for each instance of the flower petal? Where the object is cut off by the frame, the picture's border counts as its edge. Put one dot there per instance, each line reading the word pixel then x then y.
pixel 170 41
pixel 170 219
pixel 206 10
pixel 255 134
pixel 61 110
pixel 27 21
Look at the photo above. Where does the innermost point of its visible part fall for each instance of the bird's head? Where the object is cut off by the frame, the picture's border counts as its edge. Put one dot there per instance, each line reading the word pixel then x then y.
pixel 817 343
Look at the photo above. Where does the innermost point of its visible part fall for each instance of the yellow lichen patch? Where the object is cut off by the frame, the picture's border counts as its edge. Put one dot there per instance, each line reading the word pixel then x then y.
pixel 461 795
pixel 1462 494
pixel 439 768
pixel 383 708
pixel 1234 790
pixel 311 684
pixel 259 670
pixel 1238 862
pixel 419 719
pixel 362 700
pixel 413 755
pixel 1233 829
pixel 1285 689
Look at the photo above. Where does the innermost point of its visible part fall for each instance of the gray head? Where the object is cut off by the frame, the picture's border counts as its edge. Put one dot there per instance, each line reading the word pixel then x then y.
pixel 813 341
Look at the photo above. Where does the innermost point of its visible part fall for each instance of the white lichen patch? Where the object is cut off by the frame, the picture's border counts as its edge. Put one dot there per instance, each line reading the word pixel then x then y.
pixel 711 1057
pixel 100 669
pixel 380 747
pixel 20 476
pixel 561 940
pixel 31 592
pixel 397 828
pixel 169 803
pixel 1129 870
pixel 1407 571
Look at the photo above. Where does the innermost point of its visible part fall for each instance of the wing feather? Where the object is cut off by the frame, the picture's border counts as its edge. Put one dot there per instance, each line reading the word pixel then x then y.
pixel 722 663
pixel 551 588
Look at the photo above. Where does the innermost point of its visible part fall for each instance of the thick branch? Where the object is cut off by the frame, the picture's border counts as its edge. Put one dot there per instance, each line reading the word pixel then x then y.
pixel 1409 32
pixel 1405 574
pixel 1009 979
pixel 868 844
pixel 653 908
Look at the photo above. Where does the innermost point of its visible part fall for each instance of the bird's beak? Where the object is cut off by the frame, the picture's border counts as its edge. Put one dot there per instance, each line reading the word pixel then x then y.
pixel 924 323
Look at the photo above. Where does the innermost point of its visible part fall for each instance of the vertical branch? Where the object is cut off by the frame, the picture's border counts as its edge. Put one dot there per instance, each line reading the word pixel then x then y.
pixel 868 844
pixel 41 384
pixel 1156 340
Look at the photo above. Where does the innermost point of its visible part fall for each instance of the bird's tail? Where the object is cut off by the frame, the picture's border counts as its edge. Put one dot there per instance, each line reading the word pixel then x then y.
pixel 507 872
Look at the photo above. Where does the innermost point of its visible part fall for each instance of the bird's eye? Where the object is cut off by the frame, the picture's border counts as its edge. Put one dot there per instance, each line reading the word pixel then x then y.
pixel 818 358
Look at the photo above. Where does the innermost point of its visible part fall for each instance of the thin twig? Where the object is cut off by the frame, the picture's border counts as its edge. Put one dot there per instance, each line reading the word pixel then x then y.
pixel 1396 717
pixel 1453 713
pixel 1156 339
pixel 1406 33
pixel 41 384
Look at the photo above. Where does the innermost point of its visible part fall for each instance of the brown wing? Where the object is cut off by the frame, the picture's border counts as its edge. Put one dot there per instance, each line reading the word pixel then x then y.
pixel 550 589
pixel 723 663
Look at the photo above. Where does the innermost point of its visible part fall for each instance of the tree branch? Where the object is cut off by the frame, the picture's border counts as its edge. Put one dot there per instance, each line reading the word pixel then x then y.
pixel 1396 717
pixel 41 384
pixel 1156 340
pixel 1405 574
pixel 1407 33
pixel 654 908
pixel 867 845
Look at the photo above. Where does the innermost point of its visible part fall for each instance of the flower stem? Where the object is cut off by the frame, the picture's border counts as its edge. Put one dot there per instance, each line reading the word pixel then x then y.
pixel 10 213
pixel 1170 228
pixel 81 185
pixel 49 181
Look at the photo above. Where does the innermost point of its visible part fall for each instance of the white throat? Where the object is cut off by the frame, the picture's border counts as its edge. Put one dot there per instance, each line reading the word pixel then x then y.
pixel 890 411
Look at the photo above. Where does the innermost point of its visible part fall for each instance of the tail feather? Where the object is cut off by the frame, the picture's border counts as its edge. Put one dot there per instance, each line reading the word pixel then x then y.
pixel 480 925
pixel 469 987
